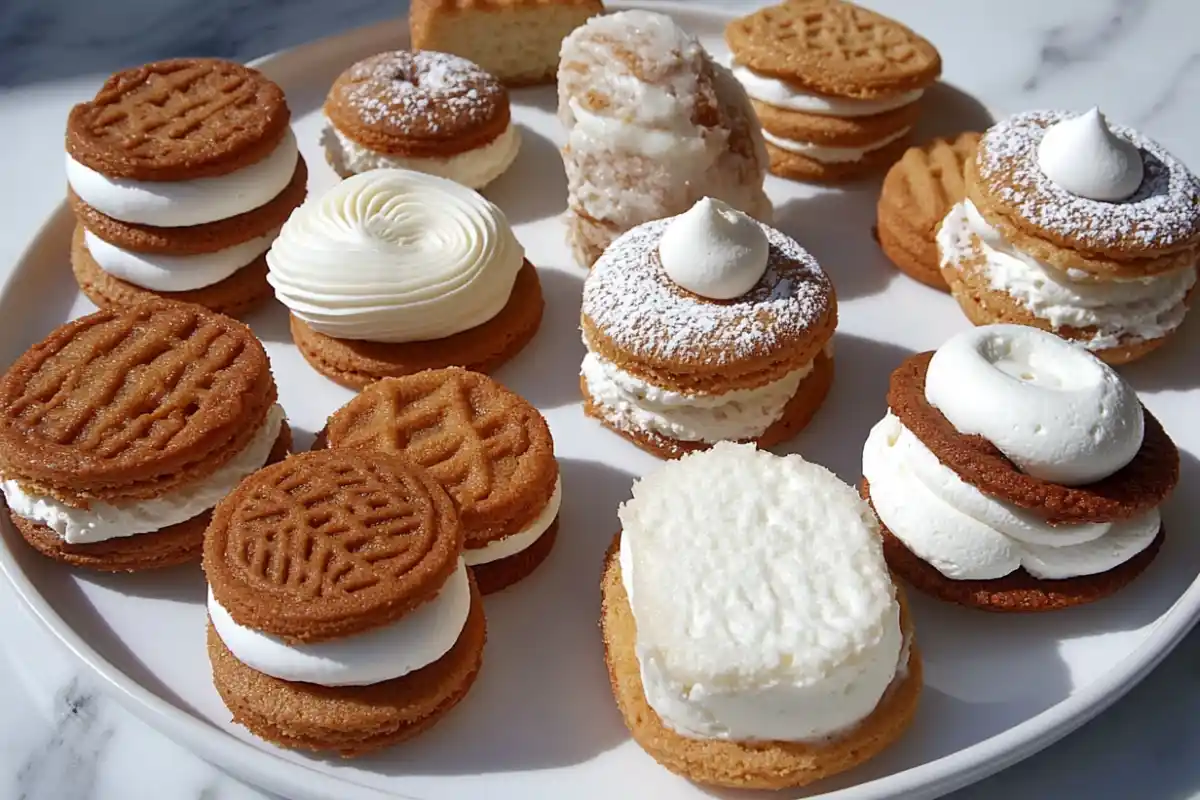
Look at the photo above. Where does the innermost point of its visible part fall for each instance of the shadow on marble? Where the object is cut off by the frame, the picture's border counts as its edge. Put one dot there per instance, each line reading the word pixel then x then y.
pixel 535 186
pixel 836 227
pixel 1173 366
pixel 548 368
pixel 947 111
pixel 542 690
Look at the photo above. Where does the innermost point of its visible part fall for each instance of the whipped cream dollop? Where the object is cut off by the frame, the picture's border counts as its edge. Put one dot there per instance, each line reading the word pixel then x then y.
pixel 764 608
pixel 523 539
pixel 394 255
pixel 416 640
pixel 1084 157
pixel 1055 410
pixel 101 521
pixel 714 250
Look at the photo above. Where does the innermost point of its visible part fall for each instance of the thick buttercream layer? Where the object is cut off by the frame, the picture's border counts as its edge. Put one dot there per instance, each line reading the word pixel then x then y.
pixel 176 204
pixel 832 155
pixel 521 540
pixel 474 168
pixel 1121 311
pixel 967 535
pixel 395 255
pixel 100 521
pixel 632 403
pixel 166 273
pixel 764 609
pixel 416 640
pixel 790 97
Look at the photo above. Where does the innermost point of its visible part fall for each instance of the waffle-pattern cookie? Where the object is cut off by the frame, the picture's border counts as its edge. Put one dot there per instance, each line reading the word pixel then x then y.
pixel 918 192
pixel 489 448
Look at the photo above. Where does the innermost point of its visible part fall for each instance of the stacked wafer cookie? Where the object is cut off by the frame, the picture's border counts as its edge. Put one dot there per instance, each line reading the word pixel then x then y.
pixel 181 173
pixel 834 85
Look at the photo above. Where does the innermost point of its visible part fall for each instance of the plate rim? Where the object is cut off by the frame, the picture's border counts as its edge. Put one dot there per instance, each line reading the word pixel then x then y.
pixel 272 772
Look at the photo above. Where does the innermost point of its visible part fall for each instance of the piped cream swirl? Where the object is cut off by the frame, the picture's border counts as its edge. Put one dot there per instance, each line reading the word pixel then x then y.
pixel 393 255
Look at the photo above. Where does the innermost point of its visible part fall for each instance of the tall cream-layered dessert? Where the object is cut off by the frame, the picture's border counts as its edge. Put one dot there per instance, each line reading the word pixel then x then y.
pixel 1078 227
pixel 753 635
pixel 1015 471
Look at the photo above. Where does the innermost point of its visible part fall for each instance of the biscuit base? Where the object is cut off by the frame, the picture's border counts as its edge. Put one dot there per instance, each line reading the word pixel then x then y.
pixel 350 720
pixel 168 547
pixel 906 249
pixel 798 412
pixel 797 167
pixel 743 765
pixel 356 364
pixel 502 573
pixel 241 292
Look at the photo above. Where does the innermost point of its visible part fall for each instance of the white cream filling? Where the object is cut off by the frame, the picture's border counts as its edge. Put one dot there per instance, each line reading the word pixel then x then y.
pixel 523 539
pixel 831 155
pixel 167 273
pixel 103 521
pixel 781 94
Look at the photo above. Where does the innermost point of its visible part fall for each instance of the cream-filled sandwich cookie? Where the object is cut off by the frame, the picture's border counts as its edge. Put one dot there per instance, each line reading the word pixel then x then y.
pixel 420 110
pixel 392 272
pixel 753 635
pixel 706 327
pixel 188 213
pixel 1015 471
pixel 1085 229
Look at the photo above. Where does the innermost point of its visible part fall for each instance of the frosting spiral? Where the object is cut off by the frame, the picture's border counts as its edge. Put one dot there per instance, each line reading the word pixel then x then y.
pixel 1055 410
pixel 393 255
pixel 714 250
pixel 1084 157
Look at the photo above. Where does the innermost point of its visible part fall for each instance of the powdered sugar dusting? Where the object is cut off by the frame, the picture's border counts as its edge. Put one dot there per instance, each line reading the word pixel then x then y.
pixel 422 90
pixel 629 297
pixel 1163 213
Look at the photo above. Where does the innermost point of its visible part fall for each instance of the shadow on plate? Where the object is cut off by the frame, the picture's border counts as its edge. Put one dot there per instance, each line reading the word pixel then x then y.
pixel 1173 366
pixel 948 111
pixel 535 186
pixel 270 322
pixel 546 372
pixel 544 98
pixel 26 323
pixel 542 699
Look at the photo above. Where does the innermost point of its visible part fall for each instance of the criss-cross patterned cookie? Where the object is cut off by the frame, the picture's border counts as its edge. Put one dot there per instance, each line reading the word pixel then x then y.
pixel 489 448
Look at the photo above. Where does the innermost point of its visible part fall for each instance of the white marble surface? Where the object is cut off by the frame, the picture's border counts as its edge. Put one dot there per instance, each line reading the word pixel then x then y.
pixel 61 739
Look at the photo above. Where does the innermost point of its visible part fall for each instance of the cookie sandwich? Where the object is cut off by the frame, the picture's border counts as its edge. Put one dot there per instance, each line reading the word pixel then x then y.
pixel 918 192
pixel 393 272
pixel 753 635
pixel 515 40
pixel 181 173
pixel 489 448
pixel 341 615
pixel 122 429
pixel 420 110
pixel 653 125
pixel 836 86
pixel 705 327
pixel 1015 471
pixel 1078 227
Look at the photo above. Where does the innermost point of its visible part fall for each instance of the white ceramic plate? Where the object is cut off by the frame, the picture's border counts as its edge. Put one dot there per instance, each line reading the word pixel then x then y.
pixel 541 722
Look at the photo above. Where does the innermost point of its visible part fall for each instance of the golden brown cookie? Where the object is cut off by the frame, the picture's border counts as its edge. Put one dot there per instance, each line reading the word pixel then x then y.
pixel 489 448
pixel 918 192
pixel 797 167
pixel 196 239
pixel 350 720
pixel 834 48
pixel 1138 487
pixel 757 765
pixel 331 543
pixel 241 292
pixel 356 363
pixel 177 544
pixel 179 119
pixel 421 104
pixel 129 403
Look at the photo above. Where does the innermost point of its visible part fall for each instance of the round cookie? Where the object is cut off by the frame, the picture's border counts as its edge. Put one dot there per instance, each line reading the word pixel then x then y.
pixel 795 166
pixel 241 292
pixel 357 363
pixel 821 129
pixel 189 117
pixel 489 448
pixel 1136 488
pixel 918 192
pixel 760 765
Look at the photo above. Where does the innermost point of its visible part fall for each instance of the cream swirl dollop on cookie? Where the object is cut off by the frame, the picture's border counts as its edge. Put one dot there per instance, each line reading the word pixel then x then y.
pixel 393 255
pixel 1055 410
pixel 714 250
pixel 1084 157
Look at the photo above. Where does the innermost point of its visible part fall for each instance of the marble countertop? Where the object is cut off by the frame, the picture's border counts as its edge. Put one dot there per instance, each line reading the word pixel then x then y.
pixel 61 739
